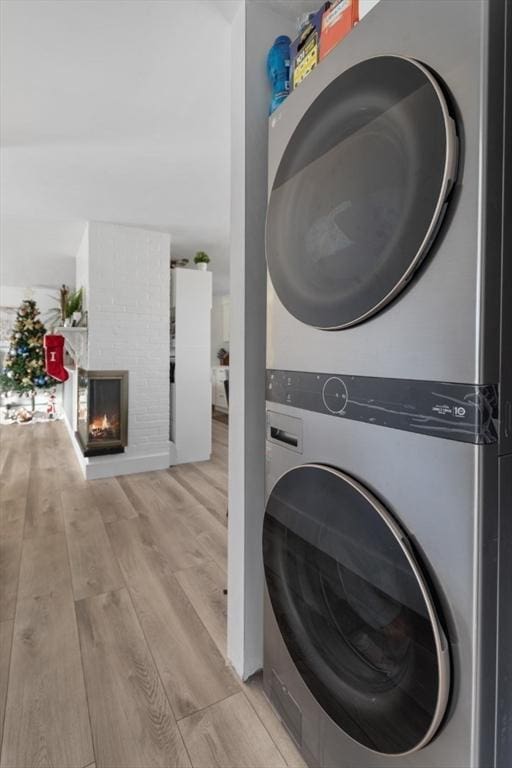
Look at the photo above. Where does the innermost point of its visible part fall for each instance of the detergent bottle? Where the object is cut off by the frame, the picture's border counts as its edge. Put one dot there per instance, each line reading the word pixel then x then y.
pixel 278 68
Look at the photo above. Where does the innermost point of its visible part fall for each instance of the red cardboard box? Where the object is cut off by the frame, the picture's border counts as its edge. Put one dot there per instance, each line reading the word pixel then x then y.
pixel 337 22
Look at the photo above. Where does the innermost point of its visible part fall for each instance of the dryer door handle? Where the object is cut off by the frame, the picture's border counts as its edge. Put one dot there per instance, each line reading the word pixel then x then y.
pixel 284 437
pixel 284 430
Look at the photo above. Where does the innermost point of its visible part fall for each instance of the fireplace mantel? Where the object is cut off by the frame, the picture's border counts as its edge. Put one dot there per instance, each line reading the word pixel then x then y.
pixel 76 343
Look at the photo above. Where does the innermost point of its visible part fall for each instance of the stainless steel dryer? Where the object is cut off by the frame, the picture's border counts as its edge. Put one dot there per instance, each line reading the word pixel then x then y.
pixel 384 199
pixel 388 528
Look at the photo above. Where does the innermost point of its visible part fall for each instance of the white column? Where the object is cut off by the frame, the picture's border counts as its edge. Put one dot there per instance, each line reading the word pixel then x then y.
pixel 254 30
pixel 125 273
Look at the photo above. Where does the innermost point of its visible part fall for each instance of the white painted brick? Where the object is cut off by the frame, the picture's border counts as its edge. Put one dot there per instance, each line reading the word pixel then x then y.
pixel 127 280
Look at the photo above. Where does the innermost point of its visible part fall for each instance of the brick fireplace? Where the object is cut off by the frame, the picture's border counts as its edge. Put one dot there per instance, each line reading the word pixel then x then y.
pixel 126 279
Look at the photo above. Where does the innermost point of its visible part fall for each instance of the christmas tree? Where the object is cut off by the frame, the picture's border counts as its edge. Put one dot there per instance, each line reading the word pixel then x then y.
pixel 24 364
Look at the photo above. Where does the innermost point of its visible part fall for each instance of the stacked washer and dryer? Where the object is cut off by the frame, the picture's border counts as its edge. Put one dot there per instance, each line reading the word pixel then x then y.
pixel 387 537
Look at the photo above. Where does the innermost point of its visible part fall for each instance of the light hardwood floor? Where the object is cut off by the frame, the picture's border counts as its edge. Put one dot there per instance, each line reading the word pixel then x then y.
pixel 113 617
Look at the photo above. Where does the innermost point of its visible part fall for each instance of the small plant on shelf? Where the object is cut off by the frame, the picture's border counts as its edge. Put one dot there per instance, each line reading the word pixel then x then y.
pixel 68 311
pixel 223 356
pixel 201 260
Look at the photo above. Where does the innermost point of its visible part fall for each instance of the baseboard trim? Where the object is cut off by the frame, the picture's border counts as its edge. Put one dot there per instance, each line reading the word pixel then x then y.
pixel 102 466
pixel 76 447
pixel 98 467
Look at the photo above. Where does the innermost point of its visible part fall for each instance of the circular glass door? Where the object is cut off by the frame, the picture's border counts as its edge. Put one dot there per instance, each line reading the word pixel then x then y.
pixel 354 610
pixel 360 192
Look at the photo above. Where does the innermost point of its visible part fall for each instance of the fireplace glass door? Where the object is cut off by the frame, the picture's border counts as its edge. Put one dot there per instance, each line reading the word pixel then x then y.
pixel 102 411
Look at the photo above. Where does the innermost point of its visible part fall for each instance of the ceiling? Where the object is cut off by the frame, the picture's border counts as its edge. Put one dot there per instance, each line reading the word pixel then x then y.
pixel 113 110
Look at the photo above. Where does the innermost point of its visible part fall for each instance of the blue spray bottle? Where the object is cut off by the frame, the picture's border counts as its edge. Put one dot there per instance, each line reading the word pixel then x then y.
pixel 278 68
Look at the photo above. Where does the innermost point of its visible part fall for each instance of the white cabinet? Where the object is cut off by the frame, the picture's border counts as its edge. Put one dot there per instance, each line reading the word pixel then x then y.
pixel 191 395
pixel 219 375
pixel 226 307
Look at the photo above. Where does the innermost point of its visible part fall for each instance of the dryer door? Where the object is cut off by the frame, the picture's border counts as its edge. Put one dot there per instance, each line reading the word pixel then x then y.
pixel 354 609
pixel 360 192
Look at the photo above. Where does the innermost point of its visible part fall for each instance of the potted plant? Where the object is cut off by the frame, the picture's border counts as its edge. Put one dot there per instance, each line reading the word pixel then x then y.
pixel 74 307
pixel 201 260
pixel 68 312
pixel 223 356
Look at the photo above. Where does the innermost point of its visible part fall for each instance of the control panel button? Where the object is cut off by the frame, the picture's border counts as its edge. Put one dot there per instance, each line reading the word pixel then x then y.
pixel 335 395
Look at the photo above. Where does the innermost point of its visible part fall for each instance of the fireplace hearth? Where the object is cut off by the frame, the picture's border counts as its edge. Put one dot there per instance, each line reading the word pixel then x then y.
pixel 102 412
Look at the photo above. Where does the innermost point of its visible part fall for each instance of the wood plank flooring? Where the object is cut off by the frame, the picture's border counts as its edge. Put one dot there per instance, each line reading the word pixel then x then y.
pixel 132 722
pixel 5 659
pixel 113 617
pixel 229 734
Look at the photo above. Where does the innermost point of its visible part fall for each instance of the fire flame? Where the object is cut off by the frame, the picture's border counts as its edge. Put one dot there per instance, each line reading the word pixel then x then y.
pixel 101 424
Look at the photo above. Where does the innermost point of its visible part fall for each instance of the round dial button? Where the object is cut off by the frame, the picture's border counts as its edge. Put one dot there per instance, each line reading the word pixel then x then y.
pixel 335 395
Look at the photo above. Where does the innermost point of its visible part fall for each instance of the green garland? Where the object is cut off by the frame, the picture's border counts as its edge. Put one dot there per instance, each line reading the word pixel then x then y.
pixel 24 371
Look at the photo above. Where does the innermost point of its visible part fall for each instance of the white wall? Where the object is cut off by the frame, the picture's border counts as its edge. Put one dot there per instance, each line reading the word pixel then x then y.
pixel 254 29
pixel 46 298
pixel 126 272
pixel 237 630
pixel 33 268
pixel 101 121
pixel 365 7
pixel 82 267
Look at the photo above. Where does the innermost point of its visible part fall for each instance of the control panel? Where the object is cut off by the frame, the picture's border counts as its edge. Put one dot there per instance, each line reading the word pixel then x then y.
pixel 463 412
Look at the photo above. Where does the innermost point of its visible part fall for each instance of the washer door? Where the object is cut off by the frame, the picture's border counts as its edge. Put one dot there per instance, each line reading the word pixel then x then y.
pixel 360 192
pixel 354 610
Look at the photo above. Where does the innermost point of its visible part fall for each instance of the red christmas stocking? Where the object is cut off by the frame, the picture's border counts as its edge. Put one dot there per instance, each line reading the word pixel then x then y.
pixel 54 357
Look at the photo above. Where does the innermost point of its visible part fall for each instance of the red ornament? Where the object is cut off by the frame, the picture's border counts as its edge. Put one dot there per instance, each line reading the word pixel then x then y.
pixel 54 357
